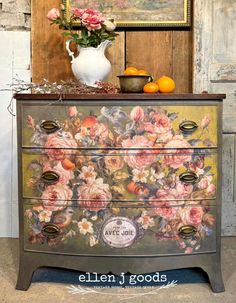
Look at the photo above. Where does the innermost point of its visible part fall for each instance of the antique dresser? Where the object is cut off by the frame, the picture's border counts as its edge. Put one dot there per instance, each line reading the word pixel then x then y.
pixel 120 183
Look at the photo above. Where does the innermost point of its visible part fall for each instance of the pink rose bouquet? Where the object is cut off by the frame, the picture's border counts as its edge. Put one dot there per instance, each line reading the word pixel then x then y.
pixel 94 27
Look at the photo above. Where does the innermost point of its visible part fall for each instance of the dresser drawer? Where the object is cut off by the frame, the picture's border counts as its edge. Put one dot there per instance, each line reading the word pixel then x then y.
pixel 125 175
pixel 119 230
pixel 119 126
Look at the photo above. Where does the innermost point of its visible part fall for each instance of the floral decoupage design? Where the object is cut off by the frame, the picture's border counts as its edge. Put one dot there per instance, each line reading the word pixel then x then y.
pixel 138 180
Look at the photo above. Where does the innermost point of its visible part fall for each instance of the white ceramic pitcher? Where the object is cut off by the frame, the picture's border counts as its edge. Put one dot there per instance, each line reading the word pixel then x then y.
pixel 90 65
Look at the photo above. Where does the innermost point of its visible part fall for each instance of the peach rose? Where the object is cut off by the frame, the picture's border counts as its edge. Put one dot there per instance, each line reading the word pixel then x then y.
pixel 99 131
pixel 137 114
pixel 94 196
pixel 113 161
pixel 72 111
pixel 138 158
pixel 55 197
pixel 192 215
pixel 177 157
pixel 58 145
pixel 53 14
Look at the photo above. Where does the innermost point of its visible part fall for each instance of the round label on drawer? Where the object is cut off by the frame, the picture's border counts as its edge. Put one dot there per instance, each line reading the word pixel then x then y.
pixel 119 232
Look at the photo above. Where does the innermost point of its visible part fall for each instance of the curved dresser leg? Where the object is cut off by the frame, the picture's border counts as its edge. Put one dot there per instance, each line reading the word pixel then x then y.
pixel 25 275
pixel 215 278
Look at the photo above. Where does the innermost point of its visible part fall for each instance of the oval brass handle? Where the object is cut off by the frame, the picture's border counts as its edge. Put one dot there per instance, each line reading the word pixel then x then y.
pixel 50 177
pixel 188 126
pixel 49 126
pixel 188 177
pixel 50 230
pixel 187 231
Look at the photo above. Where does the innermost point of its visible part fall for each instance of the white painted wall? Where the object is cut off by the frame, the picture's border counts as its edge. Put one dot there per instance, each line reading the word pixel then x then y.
pixel 14 60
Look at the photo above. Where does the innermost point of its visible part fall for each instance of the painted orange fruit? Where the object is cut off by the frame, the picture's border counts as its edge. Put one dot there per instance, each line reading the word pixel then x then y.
pixel 131 71
pixel 89 121
pixel 67 164
pixel 151 88
pixel 131 187
pixel 166 84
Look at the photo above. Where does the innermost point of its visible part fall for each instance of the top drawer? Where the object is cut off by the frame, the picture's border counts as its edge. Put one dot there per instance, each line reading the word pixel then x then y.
pixel 82 125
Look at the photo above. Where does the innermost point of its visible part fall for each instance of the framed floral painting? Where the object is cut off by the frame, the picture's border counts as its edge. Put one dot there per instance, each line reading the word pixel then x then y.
pixel 138 13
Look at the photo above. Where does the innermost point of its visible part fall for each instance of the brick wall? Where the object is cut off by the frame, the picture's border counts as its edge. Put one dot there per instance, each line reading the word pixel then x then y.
pixel 15 15
pixel 14 62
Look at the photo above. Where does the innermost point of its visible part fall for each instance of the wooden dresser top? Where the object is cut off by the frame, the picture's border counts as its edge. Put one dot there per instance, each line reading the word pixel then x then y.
pixel 186 97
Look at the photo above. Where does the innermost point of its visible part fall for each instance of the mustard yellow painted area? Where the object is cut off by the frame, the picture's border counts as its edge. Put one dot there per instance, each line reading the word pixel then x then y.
pixel 197 114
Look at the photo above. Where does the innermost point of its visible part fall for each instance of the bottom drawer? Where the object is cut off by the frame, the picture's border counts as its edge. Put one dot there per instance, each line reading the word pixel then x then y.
pixel 119 230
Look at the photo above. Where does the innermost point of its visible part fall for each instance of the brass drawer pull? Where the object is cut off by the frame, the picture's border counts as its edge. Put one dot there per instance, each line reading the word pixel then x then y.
pixel 188 127
pixel 188 177
pixel 50 177
pixel 50 230
pixel 187 231
pixel 49 126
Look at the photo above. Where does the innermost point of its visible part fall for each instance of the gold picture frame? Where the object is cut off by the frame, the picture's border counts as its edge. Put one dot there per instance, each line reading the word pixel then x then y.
pixel 138 13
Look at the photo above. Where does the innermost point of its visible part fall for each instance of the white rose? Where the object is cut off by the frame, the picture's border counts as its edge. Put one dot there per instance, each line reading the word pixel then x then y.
pixel 110 26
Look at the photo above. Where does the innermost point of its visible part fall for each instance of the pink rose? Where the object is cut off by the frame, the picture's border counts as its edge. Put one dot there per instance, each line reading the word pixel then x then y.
pixel 192 215
pixel 162 194
pixel 53 14
pixel 55 197
pixel 211 190
pixel 176 157
pixel 138 158
pixel 164 209
pixel 205 182
pixel 163 138
pixel 58 145
pixel 184 190
pixel 92 19
pixel 160 123
pixel 205 121
pixel 188 250
pixel 30 122
pixel 72 111
pixel 148 127
pixel 94 196
pixel 137 114
pixel 99 131
pixel 77 12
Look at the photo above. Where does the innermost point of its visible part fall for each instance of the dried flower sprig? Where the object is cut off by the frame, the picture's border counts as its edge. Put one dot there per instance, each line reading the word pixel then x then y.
pixel 61 87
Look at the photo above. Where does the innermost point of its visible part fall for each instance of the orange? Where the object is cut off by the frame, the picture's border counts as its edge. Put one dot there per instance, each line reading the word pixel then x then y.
pixel 131 71
pixel 143 72
pixel 67 164
pixel 151 87
pixel 166 84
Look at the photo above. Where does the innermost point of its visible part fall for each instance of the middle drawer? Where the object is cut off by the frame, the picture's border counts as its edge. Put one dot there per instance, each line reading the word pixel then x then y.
pixel 120 176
